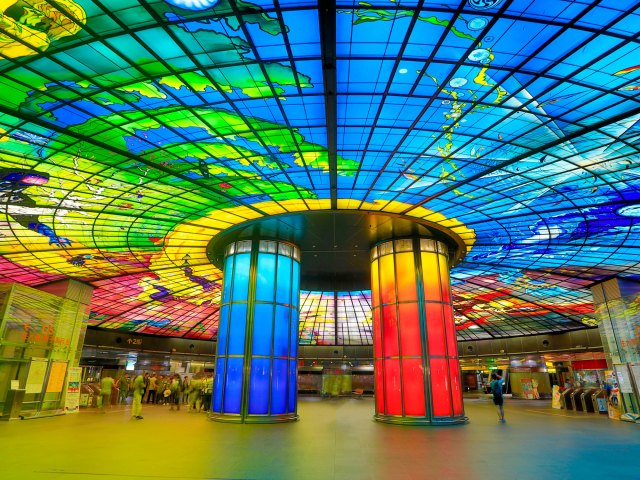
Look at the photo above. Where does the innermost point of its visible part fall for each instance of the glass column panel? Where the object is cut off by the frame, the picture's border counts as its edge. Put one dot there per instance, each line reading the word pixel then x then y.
pixel 262 329
pixel 378 371
pixel 293 379
pixel 227 280
pixel 406 277
pixel 392 387
pixel 266 275
pixel 279 387
pixel 259 382
pixel 238 329
pixel 440 388
pixel 377 331
pixel 387 280
pixel 411 341
pixel 282 330
pixel 283 285
pixel 240 281
pixel 456 386
pixel 431 277
pixel 223 328
pixel 390 331
pixel 295 286
pixel 435 329
pixel 445 281
pixel 450 327
pixel 413 387
pixel 218 383
pixel 233 385
pixel 375 286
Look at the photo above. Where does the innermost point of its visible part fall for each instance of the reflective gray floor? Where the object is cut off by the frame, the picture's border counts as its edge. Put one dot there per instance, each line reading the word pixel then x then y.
pixel 335 439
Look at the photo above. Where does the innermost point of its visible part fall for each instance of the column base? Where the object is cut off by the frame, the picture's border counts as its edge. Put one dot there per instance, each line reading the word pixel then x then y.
pixel 231 418
pixel 420 421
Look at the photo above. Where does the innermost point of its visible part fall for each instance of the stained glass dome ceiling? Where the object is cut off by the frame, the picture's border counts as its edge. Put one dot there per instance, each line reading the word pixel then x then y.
pixel 132 132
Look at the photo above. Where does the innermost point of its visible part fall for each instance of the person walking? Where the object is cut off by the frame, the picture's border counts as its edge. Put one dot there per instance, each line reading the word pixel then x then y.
pixel 176 390
pixel 138 391
pixel 153 384
pixel 498 398
pixel 123 386
pixel 106 386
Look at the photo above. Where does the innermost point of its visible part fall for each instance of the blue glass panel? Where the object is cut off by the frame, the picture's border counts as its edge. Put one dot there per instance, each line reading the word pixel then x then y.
pixel 218 383
pixel 223 331
pixel 295 285
pixel 259 386
pixel 279 385
pixel 283 285
pixel 233 385
pixel 294 326
pixel 237 329
pixel 262 329
pixel 282 331
pixel 265 277
pixel 293 382
pixel 241 277
pixel 227 279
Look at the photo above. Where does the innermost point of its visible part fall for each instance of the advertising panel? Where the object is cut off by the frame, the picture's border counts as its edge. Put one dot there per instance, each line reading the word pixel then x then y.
pixel 37 373
pixel 72 399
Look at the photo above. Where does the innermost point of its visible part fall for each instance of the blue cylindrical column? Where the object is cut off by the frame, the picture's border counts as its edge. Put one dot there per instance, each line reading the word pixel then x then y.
pixel 256 362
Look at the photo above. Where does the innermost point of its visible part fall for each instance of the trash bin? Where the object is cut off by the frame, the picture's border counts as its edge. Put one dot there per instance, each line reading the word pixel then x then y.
pixel 575 399
pixel 587 401
pixel 13 403
pixel 600 402
pixel 565 399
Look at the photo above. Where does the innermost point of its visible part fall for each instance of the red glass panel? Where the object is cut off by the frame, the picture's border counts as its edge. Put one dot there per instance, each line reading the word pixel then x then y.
pixel 377 333
pixel 430 277
pixel 387 280
pixel 456 387
pixel 444 278
pixel 452 345
pixel 389 331
pixel 413 387
pixel 379 386
pixel 440 393
pixel 406 277
pixel 410 340
pixel 392 387
pixel 435 328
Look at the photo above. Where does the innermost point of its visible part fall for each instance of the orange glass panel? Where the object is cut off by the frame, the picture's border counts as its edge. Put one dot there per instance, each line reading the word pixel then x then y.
pixel 444 278
pixel 456 387
pixel 435 329
pixel 413 387
pixel 375 284
pixel 406 277
pixel 431 276
pixel 387 280
pixel 410 337
pixel 392 387
pixel 440 387
pixel 389 331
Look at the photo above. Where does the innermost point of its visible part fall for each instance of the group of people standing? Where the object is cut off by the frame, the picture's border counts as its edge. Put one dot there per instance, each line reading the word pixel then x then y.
pixel 159 389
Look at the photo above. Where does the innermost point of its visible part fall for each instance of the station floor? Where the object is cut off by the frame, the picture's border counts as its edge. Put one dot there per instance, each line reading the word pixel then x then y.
pixel 334 439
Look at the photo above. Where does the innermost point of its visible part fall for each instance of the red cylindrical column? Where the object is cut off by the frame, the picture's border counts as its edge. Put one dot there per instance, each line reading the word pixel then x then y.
pixel 415 353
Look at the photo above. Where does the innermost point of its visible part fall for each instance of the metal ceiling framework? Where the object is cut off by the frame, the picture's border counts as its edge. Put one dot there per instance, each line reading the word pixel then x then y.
pixel 132 132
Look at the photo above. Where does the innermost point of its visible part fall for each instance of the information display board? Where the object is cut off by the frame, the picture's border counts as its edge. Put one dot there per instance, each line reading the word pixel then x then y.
pixel 56 377
pixel 72 399
pixel 37 374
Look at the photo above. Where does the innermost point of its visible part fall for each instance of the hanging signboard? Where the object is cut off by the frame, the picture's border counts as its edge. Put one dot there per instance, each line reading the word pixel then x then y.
pixel 72 399
pixel 37 373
